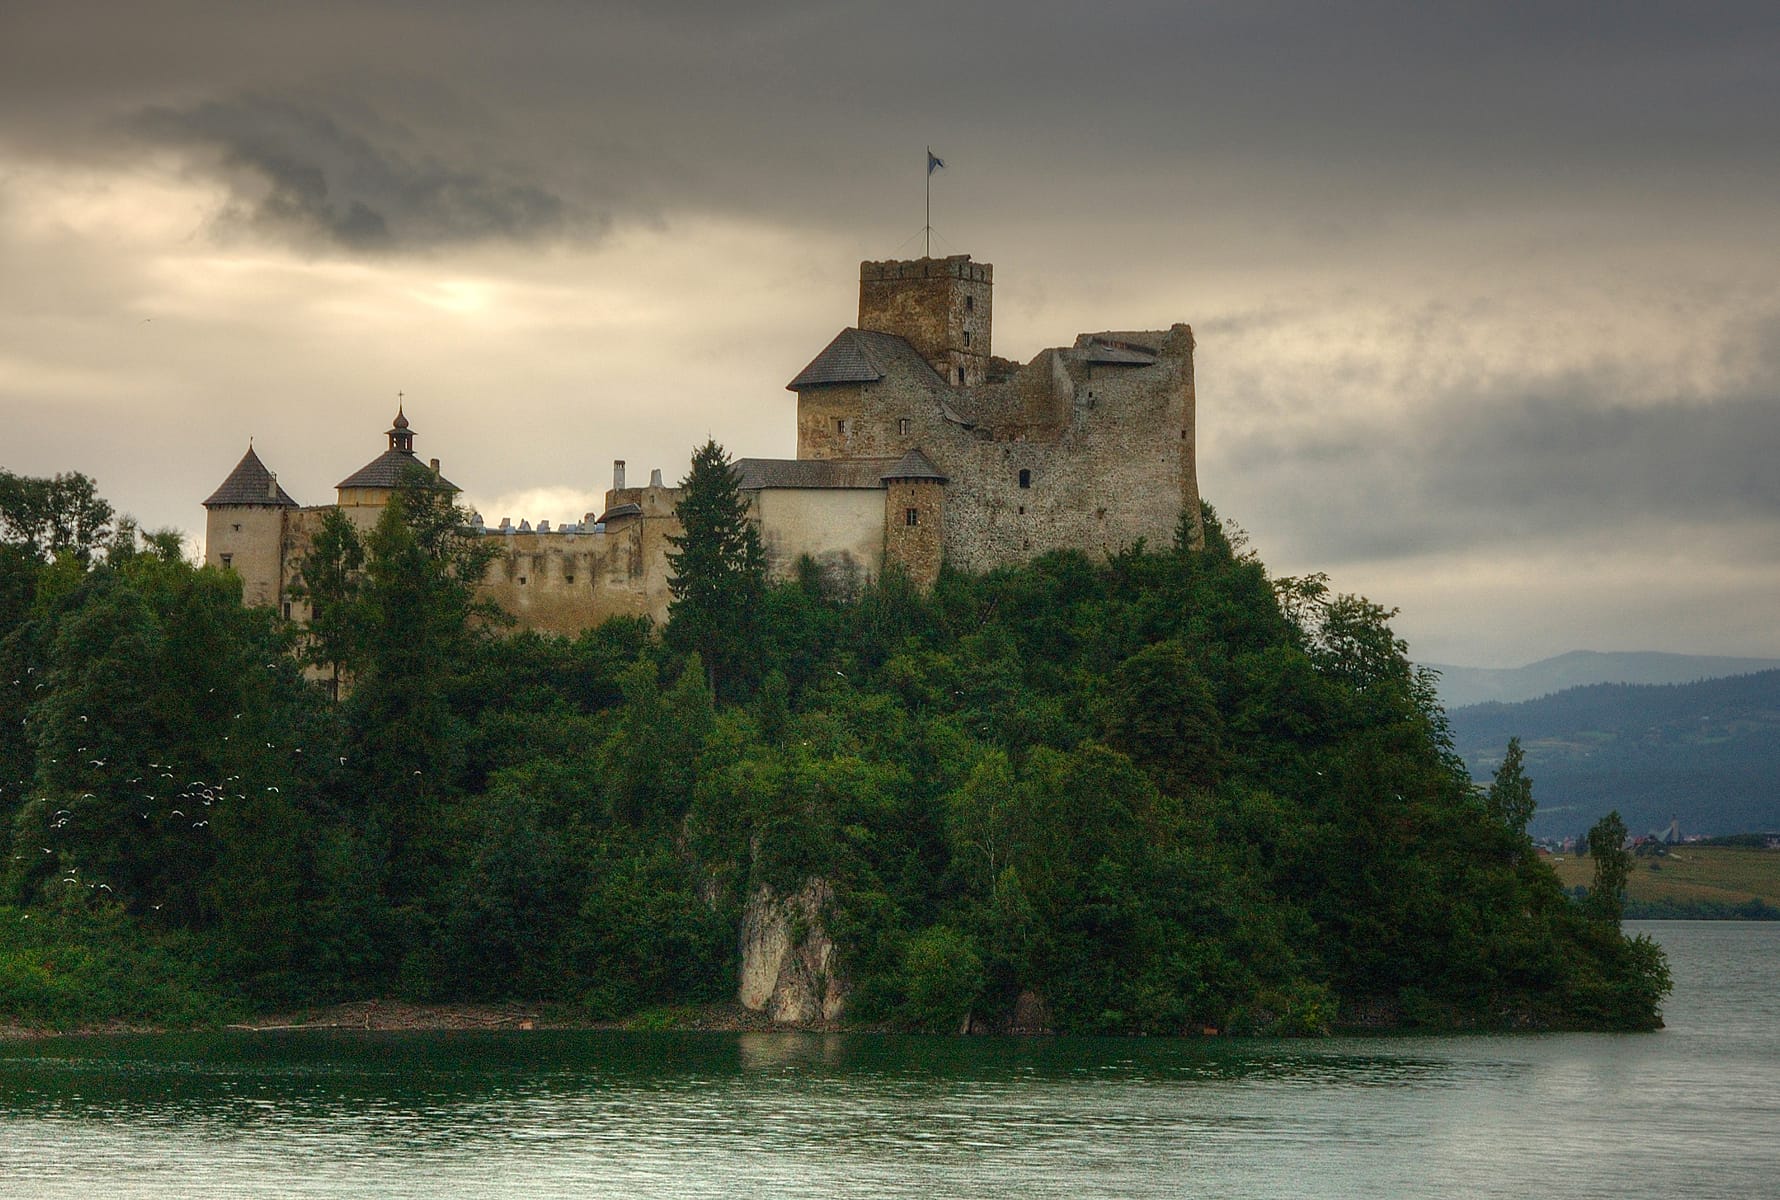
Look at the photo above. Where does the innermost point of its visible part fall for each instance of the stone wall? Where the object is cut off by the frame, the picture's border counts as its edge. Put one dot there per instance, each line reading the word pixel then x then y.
pixel 247 539
pixel 842 529
pixel 943 307
pixel 914 527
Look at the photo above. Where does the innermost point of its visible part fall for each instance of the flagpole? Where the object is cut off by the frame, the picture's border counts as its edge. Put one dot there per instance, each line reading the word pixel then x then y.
pixel 928 227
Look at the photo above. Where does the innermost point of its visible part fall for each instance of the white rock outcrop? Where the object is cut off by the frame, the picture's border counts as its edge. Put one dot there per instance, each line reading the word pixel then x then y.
pixel 787 957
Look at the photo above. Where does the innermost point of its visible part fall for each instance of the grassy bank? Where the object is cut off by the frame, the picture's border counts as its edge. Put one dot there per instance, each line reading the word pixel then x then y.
pixel 1698 881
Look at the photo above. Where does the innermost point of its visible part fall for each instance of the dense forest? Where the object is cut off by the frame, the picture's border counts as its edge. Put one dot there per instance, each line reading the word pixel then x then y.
pixel 1160 789
pixel 1704 753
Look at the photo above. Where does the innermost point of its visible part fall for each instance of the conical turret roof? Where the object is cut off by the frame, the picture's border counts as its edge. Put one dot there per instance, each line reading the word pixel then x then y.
pixel 250 484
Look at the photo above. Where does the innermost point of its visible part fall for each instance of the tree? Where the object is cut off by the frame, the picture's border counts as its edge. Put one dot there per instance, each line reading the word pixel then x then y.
pixel 333 585
pixel 1613 865
pixel 718 571
pixel 1510 798
pixel 47 517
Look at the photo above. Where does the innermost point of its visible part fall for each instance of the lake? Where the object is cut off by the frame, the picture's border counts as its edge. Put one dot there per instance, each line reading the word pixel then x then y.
pixel 1692 1110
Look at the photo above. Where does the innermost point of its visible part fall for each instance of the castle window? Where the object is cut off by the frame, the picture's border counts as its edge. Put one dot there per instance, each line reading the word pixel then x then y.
pixel 903 425
pixel 568 579
pixel 840 426
pixel 236 528
pixel 960 374
pixel 1022 510
pixel 1025 478
pixel 226 560
pixel 522 581
pixel 287 610
pixel 911 516
pixel 967 337
pixel 970 304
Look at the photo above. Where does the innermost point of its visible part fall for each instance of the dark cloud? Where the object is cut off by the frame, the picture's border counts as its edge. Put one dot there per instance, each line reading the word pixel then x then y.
pixel 298 172
pixel 1524 462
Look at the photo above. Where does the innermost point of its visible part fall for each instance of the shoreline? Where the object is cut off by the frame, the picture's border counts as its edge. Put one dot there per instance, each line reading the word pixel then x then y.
pixel 399 1016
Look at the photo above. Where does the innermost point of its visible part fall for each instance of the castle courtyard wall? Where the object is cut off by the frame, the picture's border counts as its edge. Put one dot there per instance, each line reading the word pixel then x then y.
pixel 841 529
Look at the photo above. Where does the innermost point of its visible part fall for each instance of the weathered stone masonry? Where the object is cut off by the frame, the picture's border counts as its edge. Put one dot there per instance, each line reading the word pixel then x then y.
pixel 915 446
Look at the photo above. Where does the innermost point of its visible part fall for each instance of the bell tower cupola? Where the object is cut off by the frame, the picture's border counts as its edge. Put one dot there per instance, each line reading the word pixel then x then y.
pixel 401 438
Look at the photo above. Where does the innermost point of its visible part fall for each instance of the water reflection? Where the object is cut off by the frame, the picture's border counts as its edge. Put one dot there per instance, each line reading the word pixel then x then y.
pixel 546 1113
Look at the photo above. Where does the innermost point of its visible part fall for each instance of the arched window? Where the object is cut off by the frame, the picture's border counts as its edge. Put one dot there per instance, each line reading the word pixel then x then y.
pixel 1025 478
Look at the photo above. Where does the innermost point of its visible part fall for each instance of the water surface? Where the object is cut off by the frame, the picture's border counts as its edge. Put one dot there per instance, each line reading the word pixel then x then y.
pixel 1692 1110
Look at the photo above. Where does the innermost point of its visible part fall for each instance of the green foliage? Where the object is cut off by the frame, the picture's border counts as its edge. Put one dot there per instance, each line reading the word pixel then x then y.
pixel 1160 791
pixel 718 573
pixel 330 578
pixel 1511 793
pixel 942 979
pixel 1613 865
pixel 45 518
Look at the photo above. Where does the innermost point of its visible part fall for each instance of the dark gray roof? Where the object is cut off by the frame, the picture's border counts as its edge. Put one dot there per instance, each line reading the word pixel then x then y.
pixel 390 469
pixel 914 465
pixel 863 356
pixel 250 484
pixel 1118 353
pixel 753 474
pixel 622 510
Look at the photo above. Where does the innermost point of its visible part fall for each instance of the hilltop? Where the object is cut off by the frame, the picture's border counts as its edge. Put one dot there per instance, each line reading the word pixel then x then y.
pixel 1706 754
pixel 1152 792
pixel 1461 687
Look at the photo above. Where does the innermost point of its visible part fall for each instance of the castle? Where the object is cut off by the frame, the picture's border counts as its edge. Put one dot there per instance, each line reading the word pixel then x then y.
pixel 916 446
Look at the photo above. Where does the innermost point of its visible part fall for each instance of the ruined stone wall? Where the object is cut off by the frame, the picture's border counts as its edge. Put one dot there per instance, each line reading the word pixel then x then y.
pixel 943 307
pixel 557 582
pixel 567 582
pixel 1108 450
pixel 1119 467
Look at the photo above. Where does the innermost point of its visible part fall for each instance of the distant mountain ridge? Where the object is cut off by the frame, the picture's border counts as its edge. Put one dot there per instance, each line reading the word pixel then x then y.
pixel 1461 686
pixel 1706 753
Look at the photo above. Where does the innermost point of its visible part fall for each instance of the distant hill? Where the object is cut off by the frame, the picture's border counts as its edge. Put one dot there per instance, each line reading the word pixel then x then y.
pixel 1707 754
pixel 1460 686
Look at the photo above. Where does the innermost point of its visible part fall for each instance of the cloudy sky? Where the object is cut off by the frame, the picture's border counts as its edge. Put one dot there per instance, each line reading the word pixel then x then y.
pixel 1487 296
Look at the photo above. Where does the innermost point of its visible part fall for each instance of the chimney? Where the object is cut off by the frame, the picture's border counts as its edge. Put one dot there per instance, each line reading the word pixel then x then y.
pixel 434 464
pixel 618 474
pixel 655 478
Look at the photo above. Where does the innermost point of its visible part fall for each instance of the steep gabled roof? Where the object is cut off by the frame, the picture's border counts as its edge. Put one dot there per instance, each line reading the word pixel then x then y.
pixel 863 356
pixel 914 465
pixel 250 484
pixel 753 474
pixel 390 469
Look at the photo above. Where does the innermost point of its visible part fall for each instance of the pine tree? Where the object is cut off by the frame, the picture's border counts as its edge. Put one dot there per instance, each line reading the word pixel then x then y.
pixel 1511 793
pixel 718 571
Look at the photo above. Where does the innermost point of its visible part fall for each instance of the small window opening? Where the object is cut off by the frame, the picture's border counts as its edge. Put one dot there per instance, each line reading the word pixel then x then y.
pixel 1022 510
pixel 967 337
pixel 903 425
pixel 1025 478
pixel 960 374
pixel 287 610
pixel 840 426
pixel 226 560
pixel 970 304
pixel 236 528
pixel 911 516
pixel 568 579
pixel 522 581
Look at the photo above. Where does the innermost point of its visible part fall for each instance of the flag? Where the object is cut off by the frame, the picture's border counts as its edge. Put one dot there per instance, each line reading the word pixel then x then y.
pixel 934 162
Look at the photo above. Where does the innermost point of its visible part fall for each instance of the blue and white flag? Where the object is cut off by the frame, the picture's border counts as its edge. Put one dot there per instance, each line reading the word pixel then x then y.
pixel 934 162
